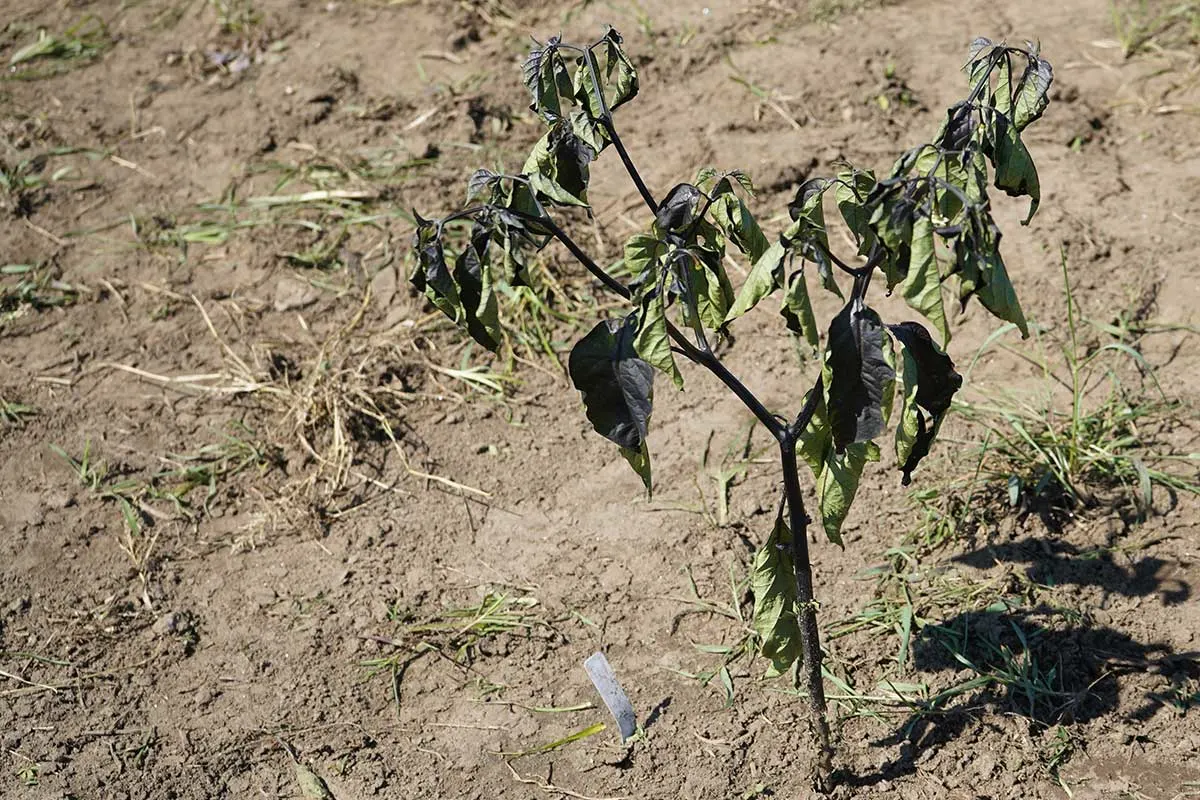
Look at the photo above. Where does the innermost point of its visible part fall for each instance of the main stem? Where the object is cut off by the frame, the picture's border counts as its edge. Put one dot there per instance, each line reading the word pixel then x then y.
pixel 806 611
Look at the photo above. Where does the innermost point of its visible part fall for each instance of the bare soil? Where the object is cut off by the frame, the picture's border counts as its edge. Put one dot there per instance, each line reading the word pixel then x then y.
pixel 222 639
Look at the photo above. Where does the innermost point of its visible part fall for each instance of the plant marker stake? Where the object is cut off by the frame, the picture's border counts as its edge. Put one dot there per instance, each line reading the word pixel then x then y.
pixel 614 697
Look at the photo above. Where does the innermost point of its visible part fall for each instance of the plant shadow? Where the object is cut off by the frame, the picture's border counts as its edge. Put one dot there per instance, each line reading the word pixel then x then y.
pixel 1044 663
pixel 1055 562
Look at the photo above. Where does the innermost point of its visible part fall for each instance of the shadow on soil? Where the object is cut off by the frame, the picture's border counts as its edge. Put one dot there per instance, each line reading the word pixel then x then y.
pixel 1048 664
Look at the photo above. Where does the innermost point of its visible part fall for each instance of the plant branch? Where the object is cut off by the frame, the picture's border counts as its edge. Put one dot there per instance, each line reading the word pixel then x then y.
pixel 704 358
pixel 797 428
pixel 628 162
pixel 873 261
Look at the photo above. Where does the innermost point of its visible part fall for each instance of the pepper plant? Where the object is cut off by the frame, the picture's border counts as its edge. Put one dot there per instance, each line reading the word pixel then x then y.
pixel 924 229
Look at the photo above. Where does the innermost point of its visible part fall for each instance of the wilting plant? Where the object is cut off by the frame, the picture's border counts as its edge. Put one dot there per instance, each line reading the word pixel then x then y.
pixel 925 230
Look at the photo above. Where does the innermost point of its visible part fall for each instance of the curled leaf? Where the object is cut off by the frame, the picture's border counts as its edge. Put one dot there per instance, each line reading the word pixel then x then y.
pixel 731 215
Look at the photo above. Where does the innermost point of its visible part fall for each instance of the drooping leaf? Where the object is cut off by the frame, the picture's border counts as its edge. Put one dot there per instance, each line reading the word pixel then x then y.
pixel 852 189
pixel 929 381
pixel 589 131
pixel 892 222
pixel 546 76
pixel 472 272
pixel 515 229
pixel 678 209
pixel 641 254
pixel 703 274
pixel 922 286
pixel 816 440
pixel 584 89
pixel 1033 89
pixel 857 375
pixel 982 273
pixel 773 584
pixel 939 380
pixel 617 386
pixel 620 75
pixel 652 341
pixel 430 274
pixel 558 166
pixel 837 475
pixel 797 311
pixel 639 459
pixel 734 219
pixel 806 236
pixel 838 483
pixel 766 275
pixel 1015 171
pixel 481 181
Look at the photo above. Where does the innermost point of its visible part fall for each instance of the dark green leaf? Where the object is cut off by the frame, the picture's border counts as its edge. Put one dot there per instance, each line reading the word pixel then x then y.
pixel 773 584
pixel 858 375
pixel 617 386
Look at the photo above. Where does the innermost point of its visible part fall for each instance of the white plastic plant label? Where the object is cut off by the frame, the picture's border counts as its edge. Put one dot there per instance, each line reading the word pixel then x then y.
pixel 614 697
